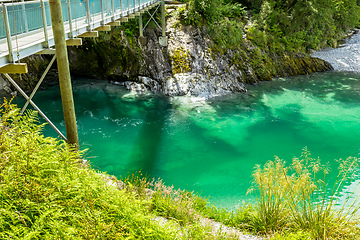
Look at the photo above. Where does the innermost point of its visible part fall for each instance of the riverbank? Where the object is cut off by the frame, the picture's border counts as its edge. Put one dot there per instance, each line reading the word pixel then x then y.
pixel 47 192
pixel 343 58
pixel 194 62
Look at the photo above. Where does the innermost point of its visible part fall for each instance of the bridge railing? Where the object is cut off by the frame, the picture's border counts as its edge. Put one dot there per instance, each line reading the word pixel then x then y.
pixel 23 18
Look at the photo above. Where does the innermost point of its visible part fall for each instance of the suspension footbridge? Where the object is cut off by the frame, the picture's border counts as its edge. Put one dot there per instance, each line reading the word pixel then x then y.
pixel 48 26
pixel 25 27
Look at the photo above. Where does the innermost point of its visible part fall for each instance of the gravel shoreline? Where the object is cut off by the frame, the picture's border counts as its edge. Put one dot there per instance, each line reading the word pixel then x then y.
pixel 344 58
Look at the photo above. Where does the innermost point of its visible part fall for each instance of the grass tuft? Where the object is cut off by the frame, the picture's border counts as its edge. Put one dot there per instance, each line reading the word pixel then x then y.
pixel 296 198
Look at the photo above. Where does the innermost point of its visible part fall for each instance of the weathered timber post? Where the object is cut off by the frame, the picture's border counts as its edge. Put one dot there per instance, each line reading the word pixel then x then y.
pixel 141 26
pixel 163 38
pixel 163 25
pixel 64 72
pixel 142 39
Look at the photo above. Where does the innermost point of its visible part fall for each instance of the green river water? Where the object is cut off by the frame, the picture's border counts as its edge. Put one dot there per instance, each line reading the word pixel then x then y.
pixel 211 147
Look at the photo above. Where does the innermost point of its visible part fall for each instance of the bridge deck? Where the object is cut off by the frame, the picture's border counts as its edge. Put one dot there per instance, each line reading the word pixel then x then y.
pixel 25 23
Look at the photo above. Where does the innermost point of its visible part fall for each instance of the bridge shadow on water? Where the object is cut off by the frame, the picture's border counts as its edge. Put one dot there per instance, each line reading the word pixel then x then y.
pixel 147 145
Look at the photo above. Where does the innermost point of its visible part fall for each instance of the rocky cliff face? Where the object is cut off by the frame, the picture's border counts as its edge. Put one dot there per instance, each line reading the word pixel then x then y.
pixel 189 65
pixel 186 67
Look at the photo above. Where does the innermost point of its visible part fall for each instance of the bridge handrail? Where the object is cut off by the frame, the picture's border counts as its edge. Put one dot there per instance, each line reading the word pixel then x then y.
pixel 22 20
pixel 26 16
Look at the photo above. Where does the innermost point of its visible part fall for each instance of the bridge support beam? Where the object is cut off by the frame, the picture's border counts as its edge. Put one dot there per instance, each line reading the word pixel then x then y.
pixel 34 105
pixel 124 19
pixel 104 28
pixel 142 39
pixel 89 34
pixel 47 51
pixel 38 84
pixel 14 68
pixel 74 42
pixel 163 39
pixel 114 24
pixel 64 72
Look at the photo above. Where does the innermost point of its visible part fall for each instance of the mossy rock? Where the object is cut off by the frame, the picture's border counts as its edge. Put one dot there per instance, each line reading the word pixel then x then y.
pixel 180 61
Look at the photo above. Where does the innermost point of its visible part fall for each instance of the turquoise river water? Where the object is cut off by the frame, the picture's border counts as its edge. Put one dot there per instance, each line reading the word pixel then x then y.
pixel 211 147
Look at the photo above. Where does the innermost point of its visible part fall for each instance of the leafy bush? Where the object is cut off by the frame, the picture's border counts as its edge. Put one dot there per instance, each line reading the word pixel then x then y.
pixel 309 24
pixel 47 194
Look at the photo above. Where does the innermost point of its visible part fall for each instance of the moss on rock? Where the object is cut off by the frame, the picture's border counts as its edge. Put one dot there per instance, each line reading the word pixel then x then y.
pixel 180 61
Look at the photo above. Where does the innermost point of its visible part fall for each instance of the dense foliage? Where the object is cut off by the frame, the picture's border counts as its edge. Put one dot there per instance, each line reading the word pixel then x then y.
pixel 47 193
pixel 280 25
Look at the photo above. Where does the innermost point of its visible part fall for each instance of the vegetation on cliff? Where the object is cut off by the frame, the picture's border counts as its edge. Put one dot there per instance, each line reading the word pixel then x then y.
pixel 272 35
pixel 276 25
pixel 235 37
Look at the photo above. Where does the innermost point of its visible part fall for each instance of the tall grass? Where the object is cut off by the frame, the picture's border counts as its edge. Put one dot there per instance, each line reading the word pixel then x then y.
pixel 296 198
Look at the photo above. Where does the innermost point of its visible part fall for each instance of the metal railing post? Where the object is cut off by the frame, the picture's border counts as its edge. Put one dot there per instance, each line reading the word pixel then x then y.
pixel 70 18
pixel 113 9
pixel 8 33
pixel 128 7
pixel 102 11
pixel 121 8
pixel 46 44
pixel 134 6
pixel 88 18
pixel 24 15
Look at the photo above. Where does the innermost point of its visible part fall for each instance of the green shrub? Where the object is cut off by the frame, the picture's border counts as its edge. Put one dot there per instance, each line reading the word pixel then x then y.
pixel 46 193
pixel 297 198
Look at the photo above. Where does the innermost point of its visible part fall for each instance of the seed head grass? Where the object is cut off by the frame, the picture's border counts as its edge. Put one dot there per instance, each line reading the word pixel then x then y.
pixel 297 200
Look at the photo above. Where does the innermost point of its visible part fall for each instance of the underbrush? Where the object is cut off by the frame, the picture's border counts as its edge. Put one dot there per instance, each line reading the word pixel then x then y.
pixel 47 193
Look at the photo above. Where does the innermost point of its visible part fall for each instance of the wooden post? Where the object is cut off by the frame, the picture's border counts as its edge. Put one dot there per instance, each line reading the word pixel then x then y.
pixel 142 39
pixel 64 72
pixel 163 38
pixel 141 26
pixel 163 24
